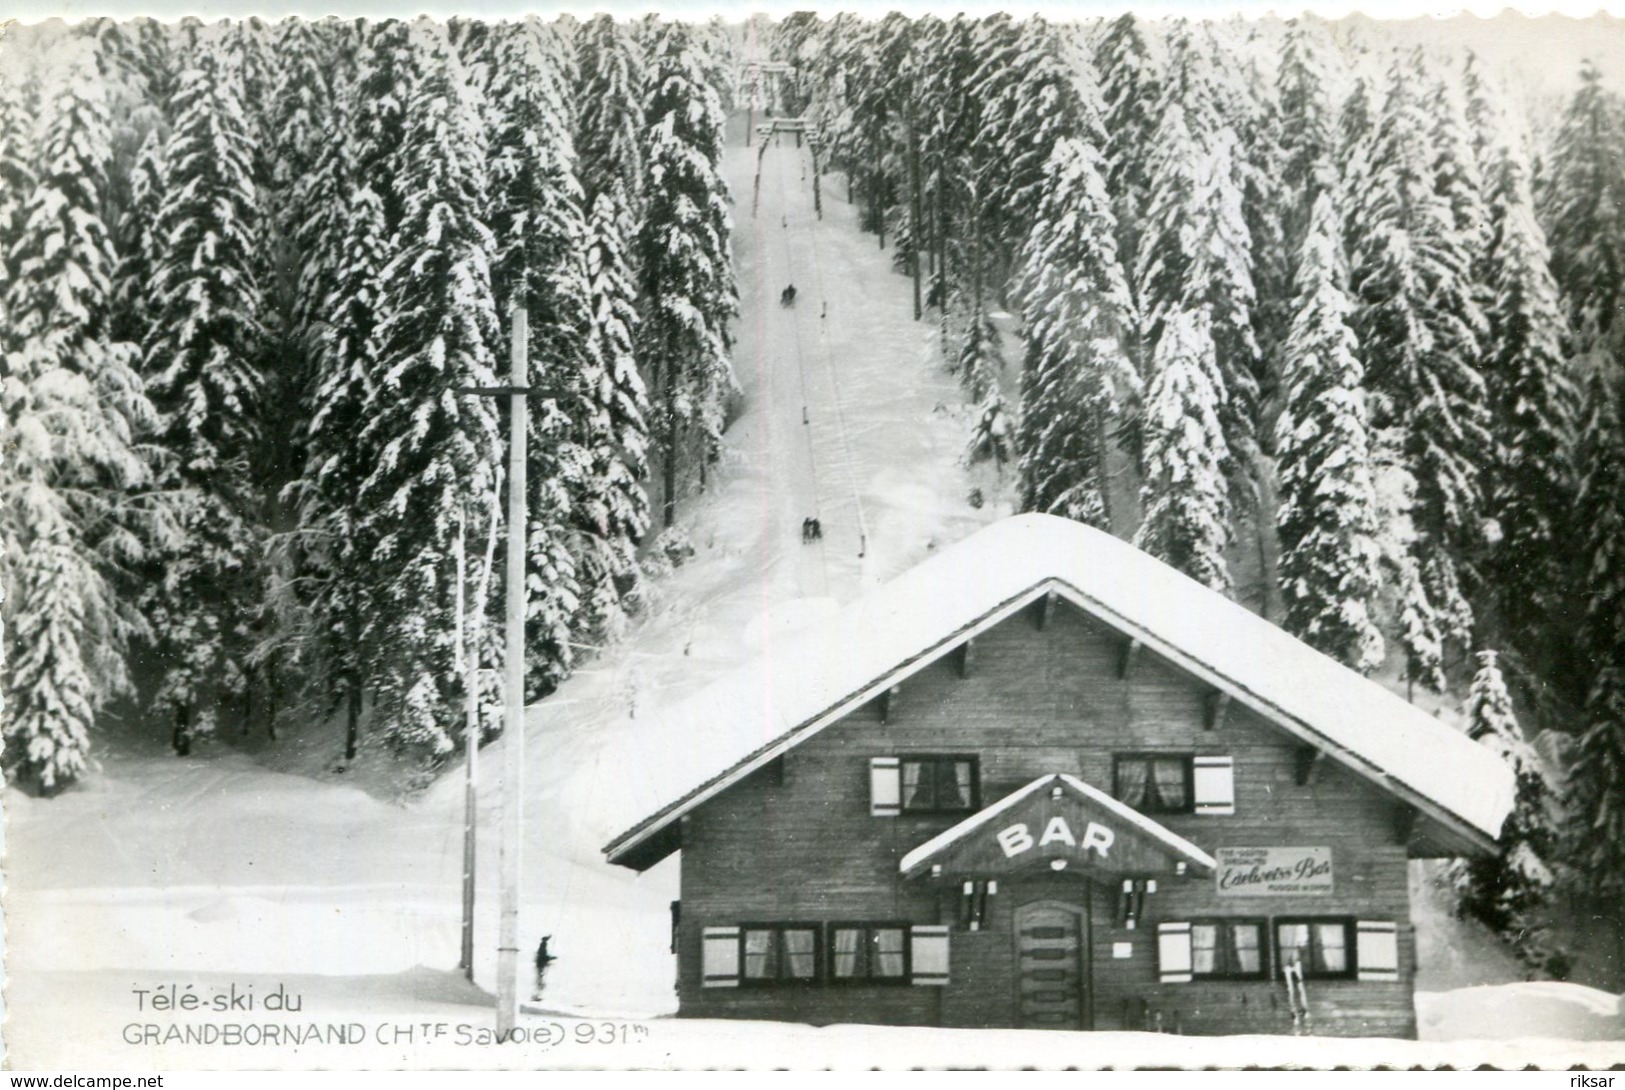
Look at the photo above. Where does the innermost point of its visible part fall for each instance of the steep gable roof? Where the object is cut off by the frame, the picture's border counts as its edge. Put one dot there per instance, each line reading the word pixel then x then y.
pixel 797 687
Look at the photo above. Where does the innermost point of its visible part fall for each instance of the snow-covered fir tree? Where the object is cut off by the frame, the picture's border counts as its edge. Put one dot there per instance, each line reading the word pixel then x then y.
pixel 317 178
pixel 297 70
pixel 1078 383
pixel 1171 219
pixel 202 366
pixel 688 286
pixel 714 40
pixel 1355 146
pixel 1582 207
pixel 612 508
pixel 1502 890
pixel 1254 116
pixel 1194 251
pixel 980 363
pixel 1458 178
pixel 993 89
pixel 1185 496
pixel 1531 480
pixel 16 156
pixel 953 189
pixel 875 127
pixel 1130 91
pixel 343 234
pixel 1421 632
pixel 541 238
pixel 1327 519
pixel 1597 777
pixel 1029 100
pixel 302 81
pixel 1421 332
pixel 137 249
pixel 436 451
pixel 1308 133
pixel 609 115
pixel 248 45
pixel 614 410
pixel 74 413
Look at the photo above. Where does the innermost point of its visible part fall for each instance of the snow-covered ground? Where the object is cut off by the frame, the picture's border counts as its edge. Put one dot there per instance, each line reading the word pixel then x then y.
pixel 265 872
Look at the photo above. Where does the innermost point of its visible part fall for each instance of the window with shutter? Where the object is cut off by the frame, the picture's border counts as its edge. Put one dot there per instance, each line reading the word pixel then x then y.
pixel 774 953
pixel 1153 783
pixel 1174 952
pixel 861 953
pixel 1322 948
pixel 1376 950
pixel 1214 785
pixel 1227 949
pixel 928 949
pixel 885 787
pixel 719 957
pixel 939 783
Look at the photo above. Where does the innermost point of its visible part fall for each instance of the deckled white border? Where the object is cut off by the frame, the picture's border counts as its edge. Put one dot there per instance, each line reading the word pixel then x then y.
pixel 73 10
pixel 1551 1056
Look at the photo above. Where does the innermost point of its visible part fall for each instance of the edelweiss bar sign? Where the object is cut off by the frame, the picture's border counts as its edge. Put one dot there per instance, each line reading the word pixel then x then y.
pixel 1273 872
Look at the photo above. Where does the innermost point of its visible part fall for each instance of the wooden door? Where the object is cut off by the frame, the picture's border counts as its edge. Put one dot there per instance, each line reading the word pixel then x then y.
pixel 1052 966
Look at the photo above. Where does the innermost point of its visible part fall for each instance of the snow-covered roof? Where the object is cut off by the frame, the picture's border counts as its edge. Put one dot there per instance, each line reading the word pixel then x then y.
pixel 1164 836
pixel 802 684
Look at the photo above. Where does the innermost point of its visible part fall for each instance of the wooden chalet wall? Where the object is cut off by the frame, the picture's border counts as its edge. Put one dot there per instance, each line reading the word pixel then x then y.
pixel 803 846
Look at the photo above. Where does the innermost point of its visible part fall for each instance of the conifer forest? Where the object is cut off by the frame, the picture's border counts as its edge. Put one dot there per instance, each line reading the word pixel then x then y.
pixel 1331 322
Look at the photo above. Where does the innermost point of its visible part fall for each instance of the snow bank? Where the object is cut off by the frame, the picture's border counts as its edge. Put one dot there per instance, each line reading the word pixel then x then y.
pixel 1532 1009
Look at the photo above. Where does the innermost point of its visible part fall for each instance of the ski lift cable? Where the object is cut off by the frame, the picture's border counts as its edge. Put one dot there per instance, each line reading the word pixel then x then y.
pixel 795 329
pixel 840 411
pixel 795 332
pixel 801 371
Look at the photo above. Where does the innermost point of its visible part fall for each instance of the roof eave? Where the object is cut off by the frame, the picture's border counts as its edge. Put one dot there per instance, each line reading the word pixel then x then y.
pixel 620 848
pixel 1304 732
pixel 623 849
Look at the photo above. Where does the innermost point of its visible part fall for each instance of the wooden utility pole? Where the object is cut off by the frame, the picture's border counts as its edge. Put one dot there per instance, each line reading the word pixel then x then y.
pixel 513 730
pixel 513 764
pixel 468 643
pixel 465 664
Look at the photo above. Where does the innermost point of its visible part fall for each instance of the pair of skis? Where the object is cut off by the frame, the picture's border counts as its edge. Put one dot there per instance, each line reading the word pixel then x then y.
pixel 1297 997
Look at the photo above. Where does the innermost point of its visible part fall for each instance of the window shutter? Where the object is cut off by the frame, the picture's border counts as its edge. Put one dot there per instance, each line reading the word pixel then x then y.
pixel 885 786
pixel 1376 950
pixel 929 953
pixel 1215 785
pixel 719 958
pixel 1174 953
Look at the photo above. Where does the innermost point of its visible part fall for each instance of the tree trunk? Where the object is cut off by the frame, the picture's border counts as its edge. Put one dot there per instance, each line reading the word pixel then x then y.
pixel 182 739
pixel 248 699
pixel 352 727
pixel 818 189
pixel 352 730
pixel 1103 470
pixel 669 470
pixel 916 241
pixel 270 702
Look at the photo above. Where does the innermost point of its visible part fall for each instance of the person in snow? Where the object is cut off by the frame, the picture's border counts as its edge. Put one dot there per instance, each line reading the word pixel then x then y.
pixel 787 298
pixel 543 960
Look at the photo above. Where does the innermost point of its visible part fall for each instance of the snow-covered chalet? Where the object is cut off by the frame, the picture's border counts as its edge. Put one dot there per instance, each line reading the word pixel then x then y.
pixel 1043 780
